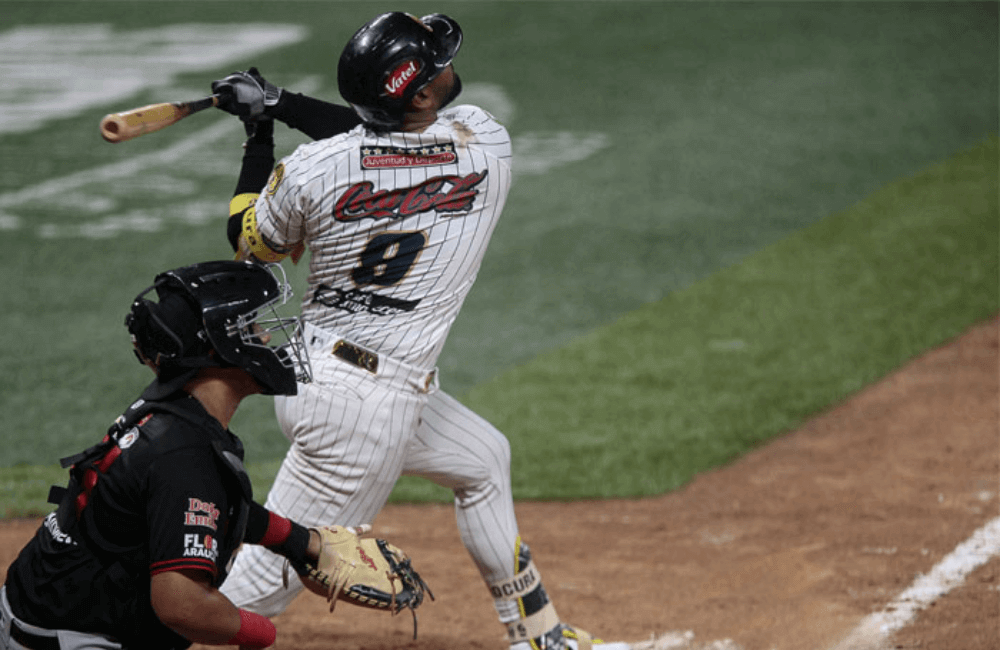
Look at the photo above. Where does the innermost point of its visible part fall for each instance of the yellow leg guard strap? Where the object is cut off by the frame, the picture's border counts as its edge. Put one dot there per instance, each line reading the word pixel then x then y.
pixel 583 640
pixel 533 626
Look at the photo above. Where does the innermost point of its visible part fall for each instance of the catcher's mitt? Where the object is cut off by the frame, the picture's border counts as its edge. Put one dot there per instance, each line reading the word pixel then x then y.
pixel 367 572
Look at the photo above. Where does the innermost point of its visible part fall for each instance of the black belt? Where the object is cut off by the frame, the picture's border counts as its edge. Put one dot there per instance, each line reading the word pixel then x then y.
pixel 354 355
pixel 32 641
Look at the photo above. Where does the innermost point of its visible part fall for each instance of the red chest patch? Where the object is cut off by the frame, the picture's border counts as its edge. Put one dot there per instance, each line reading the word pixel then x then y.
pixel 396 157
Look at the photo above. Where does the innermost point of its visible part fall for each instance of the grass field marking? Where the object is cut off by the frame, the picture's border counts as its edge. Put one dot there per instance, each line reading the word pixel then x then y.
pixel 55 71
pixel 874 631
pixel 120 170
pixel 535 153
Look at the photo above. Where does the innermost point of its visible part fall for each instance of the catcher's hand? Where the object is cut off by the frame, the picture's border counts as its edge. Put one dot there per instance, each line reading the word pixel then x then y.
pixel 367 572
pixel 247 95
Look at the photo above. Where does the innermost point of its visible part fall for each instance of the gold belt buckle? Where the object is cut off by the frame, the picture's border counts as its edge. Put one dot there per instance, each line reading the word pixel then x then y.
pixel 354 355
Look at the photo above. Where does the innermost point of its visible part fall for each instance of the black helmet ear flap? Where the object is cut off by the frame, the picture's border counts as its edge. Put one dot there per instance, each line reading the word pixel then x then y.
pixel 167 333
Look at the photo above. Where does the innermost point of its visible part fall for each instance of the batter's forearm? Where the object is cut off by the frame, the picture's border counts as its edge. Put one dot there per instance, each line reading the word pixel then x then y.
pixel 258 160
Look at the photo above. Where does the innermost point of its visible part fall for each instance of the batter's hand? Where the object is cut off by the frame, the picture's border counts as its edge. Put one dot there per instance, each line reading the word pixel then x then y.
pixel 247 95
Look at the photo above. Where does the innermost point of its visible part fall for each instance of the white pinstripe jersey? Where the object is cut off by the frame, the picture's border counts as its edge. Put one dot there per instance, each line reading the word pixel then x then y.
pixel 397 225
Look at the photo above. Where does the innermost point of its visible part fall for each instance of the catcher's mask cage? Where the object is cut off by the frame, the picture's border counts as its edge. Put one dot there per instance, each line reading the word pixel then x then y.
pixel 390 59
pixel 221 314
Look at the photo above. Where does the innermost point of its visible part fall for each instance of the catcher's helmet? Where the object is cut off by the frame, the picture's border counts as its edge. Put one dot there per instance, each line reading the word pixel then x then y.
pixel 220 314
pixel 390 59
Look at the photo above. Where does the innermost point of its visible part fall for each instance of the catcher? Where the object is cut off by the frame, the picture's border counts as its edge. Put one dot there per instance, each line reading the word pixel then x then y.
pixel 151 518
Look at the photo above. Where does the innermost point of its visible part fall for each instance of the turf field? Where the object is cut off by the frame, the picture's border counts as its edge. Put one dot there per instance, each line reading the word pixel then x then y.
pixel 725 217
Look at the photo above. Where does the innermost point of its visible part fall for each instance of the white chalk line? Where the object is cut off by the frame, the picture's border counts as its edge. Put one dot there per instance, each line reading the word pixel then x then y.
pixel 875 630
pixel 121 170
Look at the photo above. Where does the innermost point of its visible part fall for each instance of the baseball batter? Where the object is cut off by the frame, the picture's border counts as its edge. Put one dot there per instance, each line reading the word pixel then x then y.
pixel 396 201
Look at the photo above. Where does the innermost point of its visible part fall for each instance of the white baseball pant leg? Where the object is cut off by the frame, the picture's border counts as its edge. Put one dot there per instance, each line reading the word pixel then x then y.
pixel 349 431
pixel 457 449
pixel 66 639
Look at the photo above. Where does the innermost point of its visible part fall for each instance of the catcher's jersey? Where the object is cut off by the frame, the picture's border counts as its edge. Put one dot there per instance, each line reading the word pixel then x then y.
pixel 161 503
pixel 397 224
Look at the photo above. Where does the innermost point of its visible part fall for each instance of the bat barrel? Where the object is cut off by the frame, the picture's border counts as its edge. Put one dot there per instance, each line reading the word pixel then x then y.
pixel 112 128
pixel 146 119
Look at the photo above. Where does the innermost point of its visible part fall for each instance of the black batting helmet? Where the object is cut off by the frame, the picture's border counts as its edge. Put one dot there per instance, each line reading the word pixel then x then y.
pixel 220 314
pixel 390 59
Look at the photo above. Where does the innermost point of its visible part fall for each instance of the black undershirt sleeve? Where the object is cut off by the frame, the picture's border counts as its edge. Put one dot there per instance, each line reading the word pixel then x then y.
pixel 258 161
pixel 316 118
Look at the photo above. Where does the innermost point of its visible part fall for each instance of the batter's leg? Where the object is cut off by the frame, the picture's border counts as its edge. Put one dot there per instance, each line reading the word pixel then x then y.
pixel 349 436
pixel 456 448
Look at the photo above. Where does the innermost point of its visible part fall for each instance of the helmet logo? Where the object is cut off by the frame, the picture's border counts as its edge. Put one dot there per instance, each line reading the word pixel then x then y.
pixel 401 77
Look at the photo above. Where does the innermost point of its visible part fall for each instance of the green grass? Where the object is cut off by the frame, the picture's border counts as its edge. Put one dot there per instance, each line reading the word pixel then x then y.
pixel 698 378
pixel 729 128
pixel 691 382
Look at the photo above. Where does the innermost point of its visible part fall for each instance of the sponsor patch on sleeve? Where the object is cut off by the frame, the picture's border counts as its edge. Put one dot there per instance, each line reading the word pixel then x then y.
pixel 277 175
pixel 201 513
pixel 395 157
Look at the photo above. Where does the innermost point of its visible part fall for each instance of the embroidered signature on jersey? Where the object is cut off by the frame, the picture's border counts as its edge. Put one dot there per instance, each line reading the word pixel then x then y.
pixel 442 193
pixel 356 300
pixel 394 157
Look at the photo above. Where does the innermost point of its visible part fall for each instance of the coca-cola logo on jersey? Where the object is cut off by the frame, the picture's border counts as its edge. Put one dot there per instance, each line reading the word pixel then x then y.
pixel 401 77
pixel 441 193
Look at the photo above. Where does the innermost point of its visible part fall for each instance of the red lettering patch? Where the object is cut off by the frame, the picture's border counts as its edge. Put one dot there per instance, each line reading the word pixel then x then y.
pixel 201 513
pixel 393 157
pixel 441 193
pixel 401 77
pixel 367 560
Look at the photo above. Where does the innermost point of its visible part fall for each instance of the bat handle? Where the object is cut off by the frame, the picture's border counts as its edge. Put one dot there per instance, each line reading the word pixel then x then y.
pixel 202 104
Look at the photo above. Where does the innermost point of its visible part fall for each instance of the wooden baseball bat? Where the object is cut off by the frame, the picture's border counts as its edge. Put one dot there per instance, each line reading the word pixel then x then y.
pixel 126 125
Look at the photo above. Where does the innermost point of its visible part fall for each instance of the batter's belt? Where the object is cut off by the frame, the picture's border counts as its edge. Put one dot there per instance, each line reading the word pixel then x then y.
pixel 324 343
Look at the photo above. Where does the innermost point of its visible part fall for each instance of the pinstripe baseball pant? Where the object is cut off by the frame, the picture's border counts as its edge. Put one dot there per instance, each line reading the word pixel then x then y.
pixel 353 433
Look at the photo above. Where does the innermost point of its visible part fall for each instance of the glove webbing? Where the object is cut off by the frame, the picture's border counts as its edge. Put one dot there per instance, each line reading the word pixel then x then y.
pixel 409 578
pixel 364 594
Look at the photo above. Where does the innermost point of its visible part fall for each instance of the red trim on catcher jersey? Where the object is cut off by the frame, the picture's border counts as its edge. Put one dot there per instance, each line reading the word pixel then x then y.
pixel 179 564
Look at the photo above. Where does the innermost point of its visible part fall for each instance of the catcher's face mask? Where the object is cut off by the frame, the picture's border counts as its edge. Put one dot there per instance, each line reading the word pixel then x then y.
pixel 222 314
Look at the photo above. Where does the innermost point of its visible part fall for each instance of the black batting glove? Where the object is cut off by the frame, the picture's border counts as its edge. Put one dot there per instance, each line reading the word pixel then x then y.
pixel 247 95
